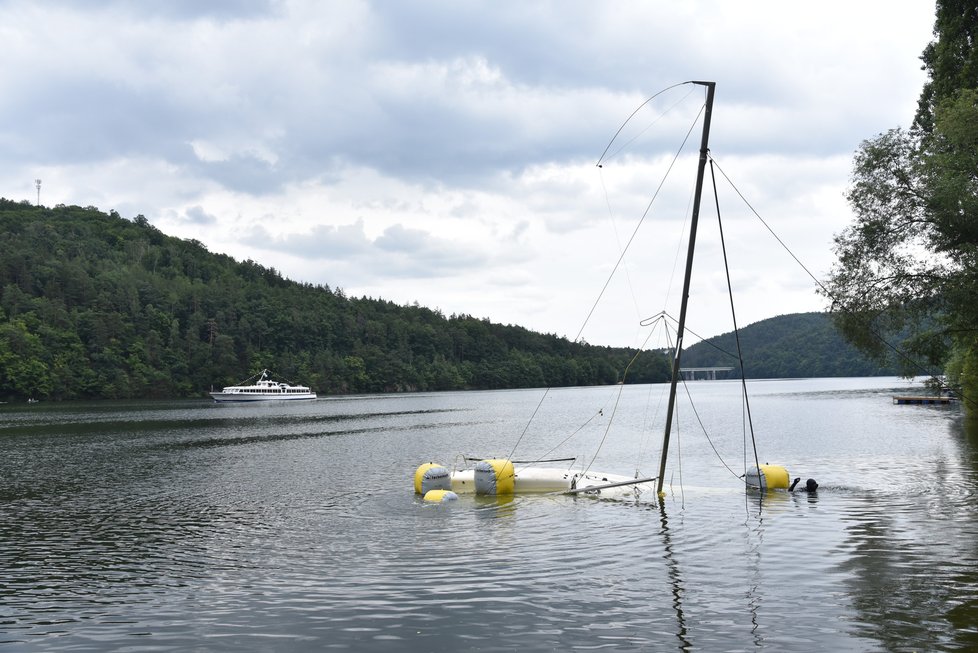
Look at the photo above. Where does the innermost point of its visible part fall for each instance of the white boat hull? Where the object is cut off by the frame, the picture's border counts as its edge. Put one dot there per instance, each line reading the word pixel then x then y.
pixel 542 480
pixel 242 397
pixel 264 389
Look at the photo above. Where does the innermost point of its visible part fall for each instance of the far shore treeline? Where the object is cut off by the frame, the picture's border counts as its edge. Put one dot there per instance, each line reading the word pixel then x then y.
pixel 93 305
pixel 96 306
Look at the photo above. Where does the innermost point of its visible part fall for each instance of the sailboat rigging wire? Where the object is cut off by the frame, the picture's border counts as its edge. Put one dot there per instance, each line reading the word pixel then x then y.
pixel 647 127
pixel 633 114
pixel 525 462
pixel 679 452
pixel 568 438
pixel 611 218
pixel 768 227
pixel 526 427
pixel 896 350
pixel 659 321
pixel 621 257
pixel 662 317
pixel 733 315
pixel 603 157
pixel 706 434
pixel 679 457
pixel 655 319
pixel 651 320
pixel 641 220
pixel 614 408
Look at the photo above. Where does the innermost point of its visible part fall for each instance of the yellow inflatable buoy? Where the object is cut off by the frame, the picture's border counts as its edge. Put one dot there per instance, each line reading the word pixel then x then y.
pixel 495 476
pixel 439 496
pixel 431 476
pixel 769 477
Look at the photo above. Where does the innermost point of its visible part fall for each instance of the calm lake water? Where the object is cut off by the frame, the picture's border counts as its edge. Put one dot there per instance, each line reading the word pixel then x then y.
pixel 189 525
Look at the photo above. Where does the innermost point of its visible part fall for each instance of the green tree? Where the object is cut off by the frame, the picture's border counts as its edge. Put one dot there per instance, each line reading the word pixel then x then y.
pixel 909 262
pixel 951 60
pixel 96 306
pixel 22 370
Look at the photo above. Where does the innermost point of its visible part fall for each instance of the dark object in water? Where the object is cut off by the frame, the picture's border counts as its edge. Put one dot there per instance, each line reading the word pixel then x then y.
pixel 810 485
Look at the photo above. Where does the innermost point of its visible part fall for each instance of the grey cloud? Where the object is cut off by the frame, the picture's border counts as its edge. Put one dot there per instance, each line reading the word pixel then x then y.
pixel 182 9
pixel 322 98
pixel 197 215
pixel 323 241
pixel 74 120
pixel 398 251
pixel 245 174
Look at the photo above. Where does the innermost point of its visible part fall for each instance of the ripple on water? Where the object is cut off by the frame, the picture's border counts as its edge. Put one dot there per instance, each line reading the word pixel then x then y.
pixel 300 531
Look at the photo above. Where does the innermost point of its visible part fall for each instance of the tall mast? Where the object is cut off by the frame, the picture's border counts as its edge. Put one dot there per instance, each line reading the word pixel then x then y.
pixel 700 172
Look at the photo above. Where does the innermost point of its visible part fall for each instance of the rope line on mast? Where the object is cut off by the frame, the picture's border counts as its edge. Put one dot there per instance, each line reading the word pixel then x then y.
pixel 663 316
pixel 631 238
pixel 836 301
pixel 568 438
pixel 633 114
pixel 706 434
pixel 614 409
pixel 638 226
pixel 733 315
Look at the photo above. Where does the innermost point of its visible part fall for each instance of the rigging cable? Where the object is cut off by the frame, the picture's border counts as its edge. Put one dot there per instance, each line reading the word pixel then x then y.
pixel 567 439
pixel 706 433
pixel 733 315
pixel 632 115
pixel 836 301
pixel 611 419
pixel 600 165
pixel 655 322
pixel 638 226
pixel 631 238
pixel 699 421
pixel 665 316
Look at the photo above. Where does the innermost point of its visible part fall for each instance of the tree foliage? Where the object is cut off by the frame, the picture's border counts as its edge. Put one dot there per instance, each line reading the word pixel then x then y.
pixel 96 306
pixel 909 261
pixel 951 60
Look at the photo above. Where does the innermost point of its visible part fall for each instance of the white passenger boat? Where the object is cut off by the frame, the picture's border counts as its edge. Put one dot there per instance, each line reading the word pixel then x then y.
pixel 264 389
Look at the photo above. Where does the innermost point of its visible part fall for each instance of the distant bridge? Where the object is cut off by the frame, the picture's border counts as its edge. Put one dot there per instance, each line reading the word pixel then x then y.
pixel 709 373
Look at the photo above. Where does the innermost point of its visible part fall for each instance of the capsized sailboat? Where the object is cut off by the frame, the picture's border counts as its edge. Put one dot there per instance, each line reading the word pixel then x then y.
pixel 499 476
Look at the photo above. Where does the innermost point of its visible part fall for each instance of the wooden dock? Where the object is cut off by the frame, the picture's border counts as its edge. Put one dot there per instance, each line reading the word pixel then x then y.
pixel 920 399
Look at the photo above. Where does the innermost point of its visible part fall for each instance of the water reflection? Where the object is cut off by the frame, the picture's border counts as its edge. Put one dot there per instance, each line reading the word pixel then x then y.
pixel 754 578
pixel 72 561
pixel 911 552
pixel 896 595
pixel 185 526
pixel 675 579
pixel 495 506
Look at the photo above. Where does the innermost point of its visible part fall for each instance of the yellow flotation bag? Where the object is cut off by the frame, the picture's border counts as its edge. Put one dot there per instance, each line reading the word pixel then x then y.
pixel 495 476
pixel 431 476
pixel 769 477
pixel 439 496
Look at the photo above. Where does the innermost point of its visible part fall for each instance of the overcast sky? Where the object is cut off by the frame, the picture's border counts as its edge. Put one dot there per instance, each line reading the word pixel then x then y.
pixel 444 152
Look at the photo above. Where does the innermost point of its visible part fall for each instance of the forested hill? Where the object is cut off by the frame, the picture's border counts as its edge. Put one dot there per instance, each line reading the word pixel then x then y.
pixel 788 346
pixel 93 305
